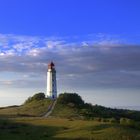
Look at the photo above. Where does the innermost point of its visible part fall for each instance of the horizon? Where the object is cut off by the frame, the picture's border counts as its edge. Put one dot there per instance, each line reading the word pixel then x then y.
pixel 94 44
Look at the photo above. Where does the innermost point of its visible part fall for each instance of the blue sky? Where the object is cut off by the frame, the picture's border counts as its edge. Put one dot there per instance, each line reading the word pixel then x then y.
pixel 68 18
pixel 94 44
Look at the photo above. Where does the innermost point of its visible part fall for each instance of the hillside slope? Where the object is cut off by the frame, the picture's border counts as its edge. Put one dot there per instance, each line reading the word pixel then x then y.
pixel 68 105
pixel 33 107
pixel 71 119
pixel 71 105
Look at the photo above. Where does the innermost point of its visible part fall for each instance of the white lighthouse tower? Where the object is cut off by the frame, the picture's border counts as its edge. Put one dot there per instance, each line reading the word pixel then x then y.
pixel 51 81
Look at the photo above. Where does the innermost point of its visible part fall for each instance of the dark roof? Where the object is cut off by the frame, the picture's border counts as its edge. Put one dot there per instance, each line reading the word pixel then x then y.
pixel 51 65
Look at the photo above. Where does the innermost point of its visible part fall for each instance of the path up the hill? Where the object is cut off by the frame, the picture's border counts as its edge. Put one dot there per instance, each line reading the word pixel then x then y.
pixel 50 109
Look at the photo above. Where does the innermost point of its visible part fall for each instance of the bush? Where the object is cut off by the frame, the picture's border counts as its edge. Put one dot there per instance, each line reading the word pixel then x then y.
pixel 123 121
pixel 137 125
pixel 39 96
pixel 130 122
pixel 127 122
pixel 112 120
pixel 97 119
pixel 66 98
pixel 36 97
pixel 104 120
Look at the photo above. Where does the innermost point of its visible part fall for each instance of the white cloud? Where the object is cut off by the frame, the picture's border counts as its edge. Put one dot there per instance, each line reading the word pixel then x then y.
pixel 10 52
pixel 6 82
pixel 33 52
pixel 1 54
pixel 28 55
pixel 51 44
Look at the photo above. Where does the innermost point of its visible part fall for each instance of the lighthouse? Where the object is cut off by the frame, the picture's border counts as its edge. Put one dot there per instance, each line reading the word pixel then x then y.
pixel 51 81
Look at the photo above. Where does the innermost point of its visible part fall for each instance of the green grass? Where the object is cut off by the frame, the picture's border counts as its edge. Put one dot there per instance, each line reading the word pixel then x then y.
pixel 65 111
pixel 34 108
pixel 37 108
pixel 24 123
pixel 64 129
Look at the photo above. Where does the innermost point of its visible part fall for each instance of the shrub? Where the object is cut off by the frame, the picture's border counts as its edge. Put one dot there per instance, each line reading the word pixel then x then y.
pixel 36 97
pixel 112 120
pixel 39 96
pixel 127 122
pixel 98 119
pixel 130 122
pixel 104 120
pixel 66 98
pixel 123 121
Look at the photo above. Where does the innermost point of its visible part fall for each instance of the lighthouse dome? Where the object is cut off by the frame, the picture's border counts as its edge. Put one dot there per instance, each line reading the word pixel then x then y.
pixel 50 65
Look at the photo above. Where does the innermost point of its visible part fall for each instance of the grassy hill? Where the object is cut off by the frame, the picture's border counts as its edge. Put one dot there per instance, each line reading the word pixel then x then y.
pixel 72 106
pixel 33 107
pixel 69 105
pixel 71 119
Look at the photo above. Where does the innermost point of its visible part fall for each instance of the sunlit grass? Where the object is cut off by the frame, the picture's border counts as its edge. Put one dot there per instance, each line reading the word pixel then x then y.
pixel 52 128
pixel 34 108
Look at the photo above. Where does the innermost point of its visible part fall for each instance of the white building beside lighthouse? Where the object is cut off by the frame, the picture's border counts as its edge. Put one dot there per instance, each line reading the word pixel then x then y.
pixel 51 81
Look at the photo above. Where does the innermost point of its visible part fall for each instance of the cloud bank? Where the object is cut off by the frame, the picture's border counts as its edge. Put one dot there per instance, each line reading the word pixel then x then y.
pixel 96 62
